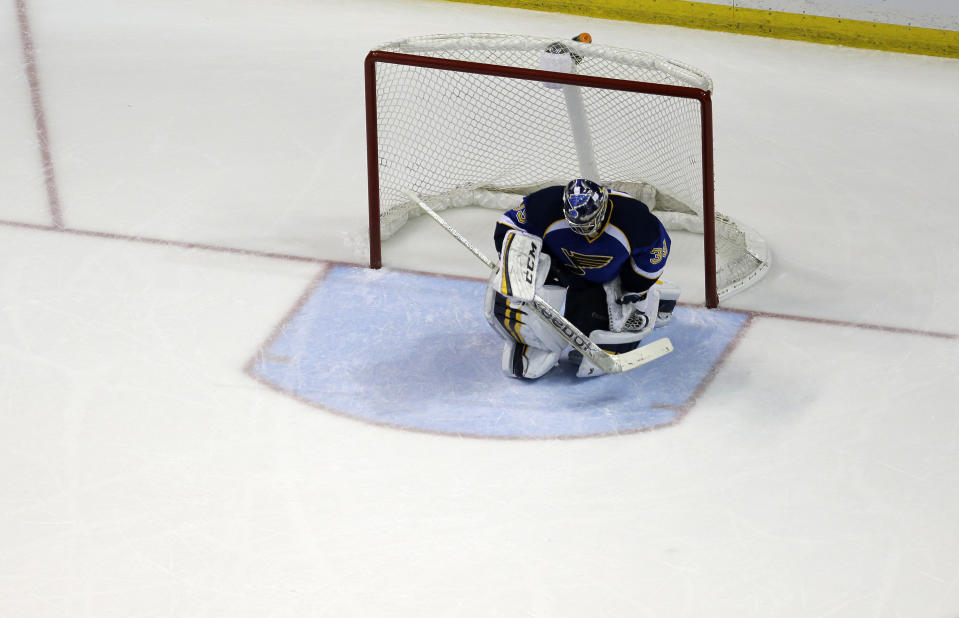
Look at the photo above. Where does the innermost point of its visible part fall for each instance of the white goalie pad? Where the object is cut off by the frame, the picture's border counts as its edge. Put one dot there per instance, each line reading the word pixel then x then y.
pixel 532 346
pixel 668 297
pixel 519 265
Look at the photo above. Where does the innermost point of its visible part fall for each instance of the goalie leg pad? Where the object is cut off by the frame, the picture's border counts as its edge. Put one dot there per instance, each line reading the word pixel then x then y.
pixel 507 314
pixel 522 361
pixel 668 296
pixel 532 347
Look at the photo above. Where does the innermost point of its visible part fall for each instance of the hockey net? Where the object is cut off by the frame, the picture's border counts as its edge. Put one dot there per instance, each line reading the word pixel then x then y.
pixel 473 120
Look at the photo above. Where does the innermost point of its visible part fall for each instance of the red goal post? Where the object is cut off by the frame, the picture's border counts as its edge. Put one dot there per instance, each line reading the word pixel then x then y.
pixel 475 119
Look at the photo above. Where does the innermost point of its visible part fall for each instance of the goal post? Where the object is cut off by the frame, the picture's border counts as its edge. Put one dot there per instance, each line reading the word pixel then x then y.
pixel 473 120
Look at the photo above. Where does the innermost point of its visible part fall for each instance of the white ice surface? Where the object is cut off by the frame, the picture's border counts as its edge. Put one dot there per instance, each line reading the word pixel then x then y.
pixel 144 473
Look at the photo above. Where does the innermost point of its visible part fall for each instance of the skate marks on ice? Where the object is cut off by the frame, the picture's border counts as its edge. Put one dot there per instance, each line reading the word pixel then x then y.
pixel 413 351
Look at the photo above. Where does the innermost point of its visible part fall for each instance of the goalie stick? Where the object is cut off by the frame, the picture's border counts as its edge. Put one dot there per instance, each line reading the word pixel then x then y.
pixel 584 345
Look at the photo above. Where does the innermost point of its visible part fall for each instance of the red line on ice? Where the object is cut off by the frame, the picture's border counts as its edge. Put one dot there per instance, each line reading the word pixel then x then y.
pixel 39 118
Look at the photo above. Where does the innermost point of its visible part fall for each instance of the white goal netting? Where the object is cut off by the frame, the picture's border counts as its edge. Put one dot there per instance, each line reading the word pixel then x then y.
pixel 458 137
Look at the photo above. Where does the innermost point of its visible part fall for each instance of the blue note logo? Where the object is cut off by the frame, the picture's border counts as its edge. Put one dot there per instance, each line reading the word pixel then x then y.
pixel 579 263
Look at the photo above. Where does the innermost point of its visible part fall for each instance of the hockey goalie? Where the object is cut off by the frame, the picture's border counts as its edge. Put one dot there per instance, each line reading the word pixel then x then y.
pixel 598 253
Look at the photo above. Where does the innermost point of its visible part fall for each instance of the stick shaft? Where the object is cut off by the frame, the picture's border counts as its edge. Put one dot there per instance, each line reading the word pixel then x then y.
pixel 449 228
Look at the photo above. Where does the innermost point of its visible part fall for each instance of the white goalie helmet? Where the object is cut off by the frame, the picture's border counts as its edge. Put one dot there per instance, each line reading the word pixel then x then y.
pixel 584 206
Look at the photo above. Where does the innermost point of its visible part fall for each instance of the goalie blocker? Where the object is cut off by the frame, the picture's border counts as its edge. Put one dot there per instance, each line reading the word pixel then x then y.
pixel 533 347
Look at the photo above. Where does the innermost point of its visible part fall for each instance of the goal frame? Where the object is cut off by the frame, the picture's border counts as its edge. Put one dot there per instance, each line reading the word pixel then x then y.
pixel 444 64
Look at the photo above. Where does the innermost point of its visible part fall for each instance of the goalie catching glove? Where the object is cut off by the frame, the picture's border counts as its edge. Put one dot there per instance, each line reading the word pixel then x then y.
pixel 640 311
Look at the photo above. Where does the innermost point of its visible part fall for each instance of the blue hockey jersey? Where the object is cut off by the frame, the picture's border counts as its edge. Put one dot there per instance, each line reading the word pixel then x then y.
pixel 632 243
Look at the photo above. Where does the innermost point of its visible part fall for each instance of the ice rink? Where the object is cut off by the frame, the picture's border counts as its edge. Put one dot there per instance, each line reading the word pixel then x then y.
pixel 180 180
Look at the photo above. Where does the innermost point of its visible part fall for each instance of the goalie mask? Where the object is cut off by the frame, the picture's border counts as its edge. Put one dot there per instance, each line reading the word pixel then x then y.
pixel 584 205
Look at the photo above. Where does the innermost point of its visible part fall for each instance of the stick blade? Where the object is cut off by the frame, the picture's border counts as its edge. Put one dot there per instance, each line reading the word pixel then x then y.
pixel 643 354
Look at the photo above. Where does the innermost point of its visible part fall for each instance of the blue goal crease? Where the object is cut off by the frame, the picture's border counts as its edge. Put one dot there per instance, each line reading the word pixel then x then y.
pixel 414 351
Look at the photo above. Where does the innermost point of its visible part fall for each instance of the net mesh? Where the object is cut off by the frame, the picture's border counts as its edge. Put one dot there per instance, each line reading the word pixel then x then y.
pixel 466 139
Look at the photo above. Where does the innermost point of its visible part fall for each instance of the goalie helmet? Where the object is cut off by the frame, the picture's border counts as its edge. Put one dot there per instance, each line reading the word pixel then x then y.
pixel 584 205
